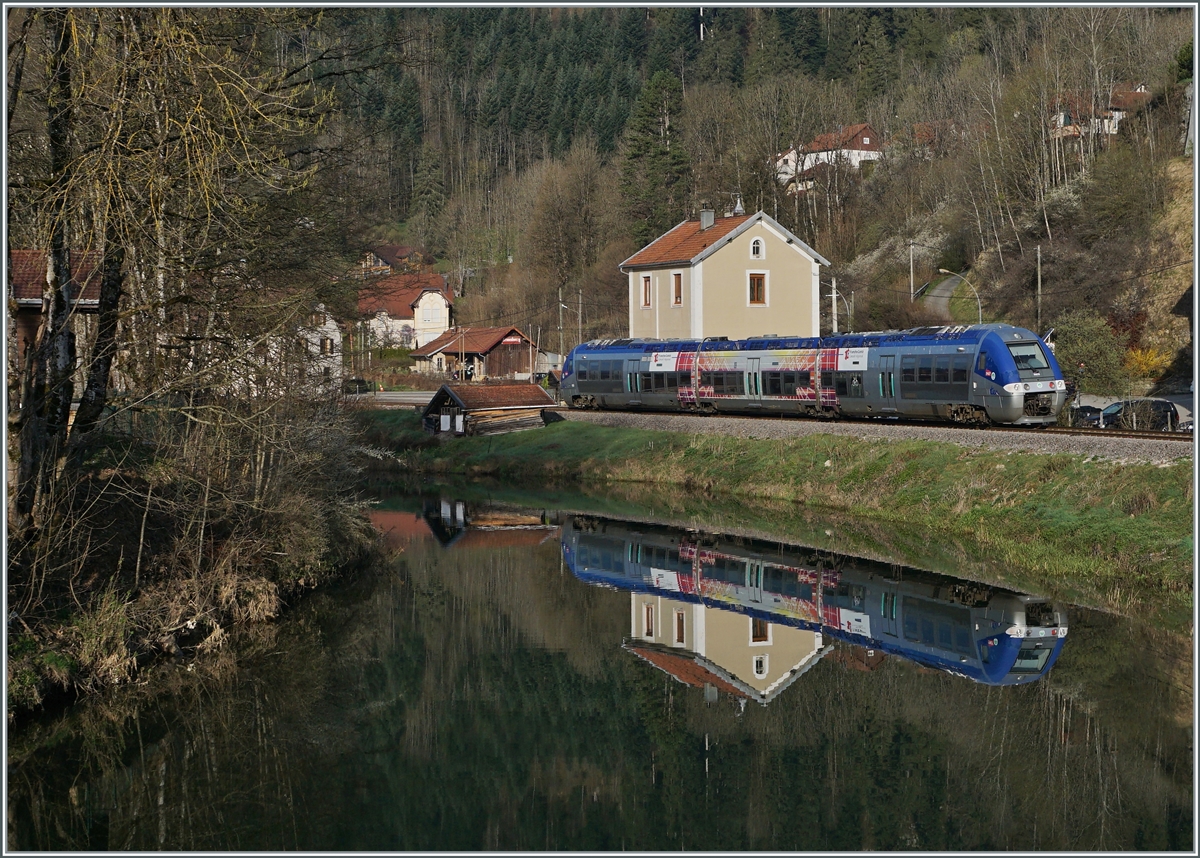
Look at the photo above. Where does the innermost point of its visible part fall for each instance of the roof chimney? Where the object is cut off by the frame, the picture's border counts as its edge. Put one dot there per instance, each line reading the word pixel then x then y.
pixel 738 209
pixel 707 218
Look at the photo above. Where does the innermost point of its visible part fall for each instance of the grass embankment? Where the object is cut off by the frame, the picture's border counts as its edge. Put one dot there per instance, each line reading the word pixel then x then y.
pixel 1119 535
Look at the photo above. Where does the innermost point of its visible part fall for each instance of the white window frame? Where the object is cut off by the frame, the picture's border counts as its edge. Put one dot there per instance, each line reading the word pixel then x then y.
pixel 647 285
pixel 762 249
pixel 766 276
pixel 675 274
pixel 765 661
pixel 648 620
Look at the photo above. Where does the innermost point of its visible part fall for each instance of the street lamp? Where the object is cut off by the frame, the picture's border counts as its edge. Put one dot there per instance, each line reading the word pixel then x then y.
pixel 973 289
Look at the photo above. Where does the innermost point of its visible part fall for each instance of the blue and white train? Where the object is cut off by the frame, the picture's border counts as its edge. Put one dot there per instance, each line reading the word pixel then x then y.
pixel 975 375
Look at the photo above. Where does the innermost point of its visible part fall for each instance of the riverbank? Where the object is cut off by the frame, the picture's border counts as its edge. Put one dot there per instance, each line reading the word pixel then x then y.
pixel 155 548
pixel 1121 533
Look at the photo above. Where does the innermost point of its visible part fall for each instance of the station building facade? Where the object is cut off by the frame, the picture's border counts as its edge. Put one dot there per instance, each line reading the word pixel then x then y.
pixel 738 276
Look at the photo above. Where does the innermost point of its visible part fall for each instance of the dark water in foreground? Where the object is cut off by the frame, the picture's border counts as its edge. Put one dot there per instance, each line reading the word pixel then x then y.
pixel 554 682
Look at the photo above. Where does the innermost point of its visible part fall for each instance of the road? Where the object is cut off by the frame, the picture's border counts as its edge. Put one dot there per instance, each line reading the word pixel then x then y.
pixel 937 297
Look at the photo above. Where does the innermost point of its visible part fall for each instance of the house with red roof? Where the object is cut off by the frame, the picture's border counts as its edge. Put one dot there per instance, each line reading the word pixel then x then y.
pixel 736 276
pixel 849 146
pixel 29 281
pixel 728 651
pixel 406 310
pixel 478 353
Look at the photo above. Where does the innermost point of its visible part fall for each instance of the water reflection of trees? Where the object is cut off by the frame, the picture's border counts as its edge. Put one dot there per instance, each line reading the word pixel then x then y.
pixel 481 700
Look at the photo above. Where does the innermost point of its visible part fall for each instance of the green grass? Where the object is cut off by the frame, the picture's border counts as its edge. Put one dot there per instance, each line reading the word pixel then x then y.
pixel 1115 535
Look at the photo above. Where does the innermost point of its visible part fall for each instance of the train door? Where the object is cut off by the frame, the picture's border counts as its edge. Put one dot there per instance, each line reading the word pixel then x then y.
pixel 632 368
pixel 753 384
pixel 754 581
pixel 888 612
pixel 887 382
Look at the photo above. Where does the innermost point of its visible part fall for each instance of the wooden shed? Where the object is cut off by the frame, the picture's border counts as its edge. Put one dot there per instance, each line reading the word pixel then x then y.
pixel 485 409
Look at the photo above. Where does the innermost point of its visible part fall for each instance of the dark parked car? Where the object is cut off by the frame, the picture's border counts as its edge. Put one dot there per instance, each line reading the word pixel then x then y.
pixel 1085 416
pixel 1148 413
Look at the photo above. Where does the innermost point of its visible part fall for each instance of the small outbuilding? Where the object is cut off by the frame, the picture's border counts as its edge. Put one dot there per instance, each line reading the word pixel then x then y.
pixel 485 409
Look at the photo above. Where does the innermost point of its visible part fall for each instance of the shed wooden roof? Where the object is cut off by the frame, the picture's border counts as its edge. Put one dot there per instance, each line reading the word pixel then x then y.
pixel 484 397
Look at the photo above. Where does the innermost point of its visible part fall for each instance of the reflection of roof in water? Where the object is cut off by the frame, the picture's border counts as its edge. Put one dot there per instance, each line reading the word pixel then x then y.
pixel 696 670
pixel 684 667
pixel 399 528
pixel 505 537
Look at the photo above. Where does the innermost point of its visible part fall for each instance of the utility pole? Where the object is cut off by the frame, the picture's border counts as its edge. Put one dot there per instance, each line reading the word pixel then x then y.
pixel 851 310
pixel 1039 292
pixel 560 308
pixel 833 295
pixel 579 335
pixel 910 271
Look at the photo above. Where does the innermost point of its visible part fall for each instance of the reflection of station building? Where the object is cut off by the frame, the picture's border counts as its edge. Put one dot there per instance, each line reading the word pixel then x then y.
pixel 720 650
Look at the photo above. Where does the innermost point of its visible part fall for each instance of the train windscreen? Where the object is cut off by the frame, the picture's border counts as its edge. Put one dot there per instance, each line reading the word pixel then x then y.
pixel 1032 658
pixel 1028 356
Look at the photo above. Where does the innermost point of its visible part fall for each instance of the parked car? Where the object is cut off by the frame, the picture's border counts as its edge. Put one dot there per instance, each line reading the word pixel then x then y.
pixel 1085 416
pixel 1146 413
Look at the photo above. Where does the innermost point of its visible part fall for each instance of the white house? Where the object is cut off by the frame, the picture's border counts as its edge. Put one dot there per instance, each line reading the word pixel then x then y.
pixel 406 310
pixel 851 146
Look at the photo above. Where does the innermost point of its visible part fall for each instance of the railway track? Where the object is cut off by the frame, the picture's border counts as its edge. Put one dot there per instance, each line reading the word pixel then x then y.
pixel 1100 433
pixel 890 421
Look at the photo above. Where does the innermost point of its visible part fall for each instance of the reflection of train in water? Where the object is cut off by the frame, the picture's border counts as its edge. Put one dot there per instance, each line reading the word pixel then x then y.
pixel 990 635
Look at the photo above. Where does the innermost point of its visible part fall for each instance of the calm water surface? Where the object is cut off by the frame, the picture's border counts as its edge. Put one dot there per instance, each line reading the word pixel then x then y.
pixel 532 679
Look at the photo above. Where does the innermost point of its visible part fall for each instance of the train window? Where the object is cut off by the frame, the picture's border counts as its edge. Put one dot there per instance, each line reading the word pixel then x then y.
pixel 647 381
pixel 772 383
pixel 856 385
pixel 982 362
pixel 1028 355
pixel 827 381
pixel 925 370
pixel 962 639
pixel 945 636
pixel 581 374
pixel 685 379
pixel 660 381
pixel 804 379
pixel 605 371
pixel 941 370
pixel 908 369
pixel 962 366
pixel 673 380
pixel 841 384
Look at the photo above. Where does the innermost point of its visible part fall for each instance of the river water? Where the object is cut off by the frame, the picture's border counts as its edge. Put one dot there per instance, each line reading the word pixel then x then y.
pixel 537 678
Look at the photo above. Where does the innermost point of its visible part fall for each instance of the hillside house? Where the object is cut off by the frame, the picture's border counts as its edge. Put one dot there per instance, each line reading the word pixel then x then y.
pixel 849 146
pixel 385 259
pixel 736 277
pixel 29 281
pixel 1075 115
pixel 406 310
pixel 478 353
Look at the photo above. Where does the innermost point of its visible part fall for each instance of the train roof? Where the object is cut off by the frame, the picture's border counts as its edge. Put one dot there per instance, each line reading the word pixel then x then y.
pixel 930 335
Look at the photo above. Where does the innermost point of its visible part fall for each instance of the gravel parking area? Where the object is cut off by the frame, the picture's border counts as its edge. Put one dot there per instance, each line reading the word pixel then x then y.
pixel 1112 449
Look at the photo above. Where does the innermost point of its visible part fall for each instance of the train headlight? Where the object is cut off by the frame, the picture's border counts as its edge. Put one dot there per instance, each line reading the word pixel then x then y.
pixel 1027 387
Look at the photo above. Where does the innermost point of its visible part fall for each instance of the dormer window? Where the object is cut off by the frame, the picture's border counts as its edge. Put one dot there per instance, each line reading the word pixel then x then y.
pixel 866 140
pixel 756 249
